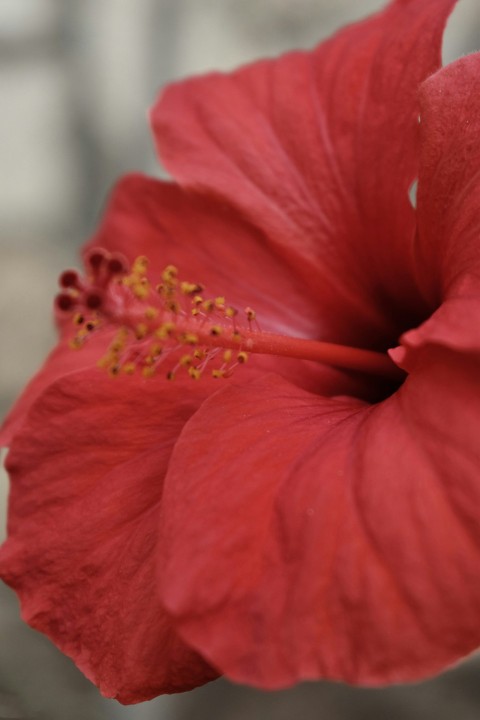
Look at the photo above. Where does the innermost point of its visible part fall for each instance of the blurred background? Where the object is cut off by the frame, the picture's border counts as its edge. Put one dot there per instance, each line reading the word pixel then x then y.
pixel 76 81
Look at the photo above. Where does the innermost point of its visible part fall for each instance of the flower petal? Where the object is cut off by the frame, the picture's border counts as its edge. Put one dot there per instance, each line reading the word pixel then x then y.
pixel 448 196
pixel 455 325
pixel 305 537
pixel 87 473
pixel 61 361
pixel 448 202
pixel 293 141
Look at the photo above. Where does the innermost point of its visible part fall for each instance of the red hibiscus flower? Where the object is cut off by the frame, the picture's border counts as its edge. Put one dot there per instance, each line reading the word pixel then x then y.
pixel 293 519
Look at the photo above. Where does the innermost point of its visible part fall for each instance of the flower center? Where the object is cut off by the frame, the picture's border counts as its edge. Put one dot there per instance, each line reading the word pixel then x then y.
pixel 172 325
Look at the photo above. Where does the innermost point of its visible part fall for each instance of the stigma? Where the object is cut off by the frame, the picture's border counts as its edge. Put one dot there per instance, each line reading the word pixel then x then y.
pixel 170 326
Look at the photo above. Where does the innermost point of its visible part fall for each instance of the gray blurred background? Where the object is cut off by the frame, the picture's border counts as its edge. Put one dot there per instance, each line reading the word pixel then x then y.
pixel 76 80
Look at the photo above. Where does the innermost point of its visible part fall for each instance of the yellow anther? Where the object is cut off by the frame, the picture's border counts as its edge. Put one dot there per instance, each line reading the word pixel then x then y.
pixel 186 360
pixel 218 374
pixel 230 312
pixel 119 341
pixel 227 356
pixel 195 312
pixel 104 362
pixel 197 300
pixel 109 359
pixel 151 313
pixel 141 331
pixel 189 338
pixel 236 336
pixel 216 330
pixel 78 319
pixel 148 371
pixel 199 354
pixel 165 330
pixel 169 275
pixel 129 368
pixel 140 290
pixel 219 302
pixel 242 357
pixel 156 349
pixel 90 325
pixel 209 305
pixel 76 343
pixel 189 288
pixel 194 373
pixel 140 265
pixel 173 306
pixel 149 360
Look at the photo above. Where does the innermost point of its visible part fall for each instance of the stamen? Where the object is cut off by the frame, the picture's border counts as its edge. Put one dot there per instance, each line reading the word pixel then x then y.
pixel 158 322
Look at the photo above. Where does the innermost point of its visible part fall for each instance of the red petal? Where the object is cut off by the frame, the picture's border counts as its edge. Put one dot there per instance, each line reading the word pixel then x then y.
pixel 87 473
pixel 449 183
pixel 448 201
pixel 455 325
pixel 61 361
pixel 319 149
pixel 307 538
